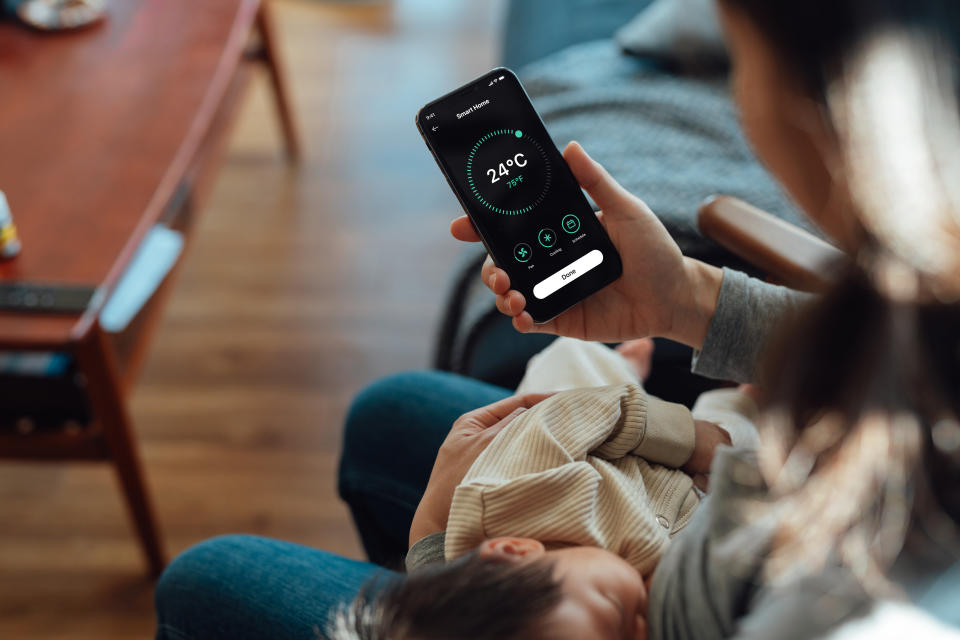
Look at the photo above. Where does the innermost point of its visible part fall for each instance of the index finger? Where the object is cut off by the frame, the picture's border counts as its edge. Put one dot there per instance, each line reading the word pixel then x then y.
pixel 462 229
pixel 502 408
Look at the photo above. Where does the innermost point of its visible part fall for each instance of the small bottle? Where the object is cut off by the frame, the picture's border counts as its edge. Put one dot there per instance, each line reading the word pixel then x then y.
pixel 9 240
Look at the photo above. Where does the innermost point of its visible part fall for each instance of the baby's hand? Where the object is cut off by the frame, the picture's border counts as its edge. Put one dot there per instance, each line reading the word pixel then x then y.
pixel 639 353
pixel 707 437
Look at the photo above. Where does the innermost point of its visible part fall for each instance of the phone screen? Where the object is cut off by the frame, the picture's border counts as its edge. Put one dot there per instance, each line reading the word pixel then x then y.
pixel 518 191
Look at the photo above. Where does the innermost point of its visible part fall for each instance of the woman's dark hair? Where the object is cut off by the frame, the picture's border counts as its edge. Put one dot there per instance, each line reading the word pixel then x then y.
pixel 474 597
pixel 862 435
pixel 816 37
pixel 886 75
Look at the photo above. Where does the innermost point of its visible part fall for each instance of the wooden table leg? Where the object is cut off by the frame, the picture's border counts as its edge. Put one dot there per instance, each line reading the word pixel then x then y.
pixel 97 362
pixel 271 56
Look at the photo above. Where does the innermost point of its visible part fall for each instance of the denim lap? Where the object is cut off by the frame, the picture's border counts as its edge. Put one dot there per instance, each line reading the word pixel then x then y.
pixel 243 587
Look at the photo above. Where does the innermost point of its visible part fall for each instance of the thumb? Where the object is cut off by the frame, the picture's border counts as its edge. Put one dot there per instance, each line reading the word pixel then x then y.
pixel 605 191
pixel 510 416
pixel 498 427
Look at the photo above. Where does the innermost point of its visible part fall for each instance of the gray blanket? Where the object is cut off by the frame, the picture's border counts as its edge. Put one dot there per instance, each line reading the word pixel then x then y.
pixel 672 140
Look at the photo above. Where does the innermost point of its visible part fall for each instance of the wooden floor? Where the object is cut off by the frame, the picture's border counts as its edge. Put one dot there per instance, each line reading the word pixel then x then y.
pixel 302 285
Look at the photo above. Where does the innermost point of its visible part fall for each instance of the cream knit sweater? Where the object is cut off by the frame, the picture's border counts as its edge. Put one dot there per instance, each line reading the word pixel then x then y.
pixel 593 467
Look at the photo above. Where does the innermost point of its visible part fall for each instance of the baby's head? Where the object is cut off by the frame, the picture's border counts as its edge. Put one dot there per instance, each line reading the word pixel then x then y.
pixel 507 588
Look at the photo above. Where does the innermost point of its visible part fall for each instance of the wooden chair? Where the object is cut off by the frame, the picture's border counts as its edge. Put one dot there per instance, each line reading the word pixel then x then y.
pixel 787 254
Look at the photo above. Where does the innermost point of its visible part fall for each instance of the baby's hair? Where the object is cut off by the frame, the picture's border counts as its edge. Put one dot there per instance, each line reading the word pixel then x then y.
pixel 473 597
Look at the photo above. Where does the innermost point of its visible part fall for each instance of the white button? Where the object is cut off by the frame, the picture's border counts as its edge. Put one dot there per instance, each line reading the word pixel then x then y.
pixel 663 522
pixel 568 274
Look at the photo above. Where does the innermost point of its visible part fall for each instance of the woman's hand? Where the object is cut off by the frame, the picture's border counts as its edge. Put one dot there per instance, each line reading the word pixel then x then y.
pixel 470 435
pixel 661 293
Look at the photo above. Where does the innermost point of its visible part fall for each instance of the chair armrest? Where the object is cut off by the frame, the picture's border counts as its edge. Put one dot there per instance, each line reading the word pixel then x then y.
pixel 787 254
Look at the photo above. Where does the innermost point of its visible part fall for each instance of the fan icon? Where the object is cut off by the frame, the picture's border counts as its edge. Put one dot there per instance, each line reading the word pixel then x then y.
pixel 522 252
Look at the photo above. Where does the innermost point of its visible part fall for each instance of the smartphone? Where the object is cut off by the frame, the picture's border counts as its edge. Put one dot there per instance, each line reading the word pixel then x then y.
pixel 526 205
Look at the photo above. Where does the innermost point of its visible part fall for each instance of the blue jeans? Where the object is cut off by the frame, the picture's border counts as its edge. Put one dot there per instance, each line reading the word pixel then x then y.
pixel 243 587
pixel 393 432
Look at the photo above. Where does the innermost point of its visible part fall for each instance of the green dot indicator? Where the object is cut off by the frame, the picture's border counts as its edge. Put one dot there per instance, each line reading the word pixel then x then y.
pixel 518 133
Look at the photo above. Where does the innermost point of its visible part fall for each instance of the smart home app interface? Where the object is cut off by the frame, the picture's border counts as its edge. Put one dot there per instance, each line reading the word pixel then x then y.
pixel 519 193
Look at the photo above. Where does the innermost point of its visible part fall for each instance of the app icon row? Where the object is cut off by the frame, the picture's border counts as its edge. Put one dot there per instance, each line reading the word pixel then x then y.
pixel 547 238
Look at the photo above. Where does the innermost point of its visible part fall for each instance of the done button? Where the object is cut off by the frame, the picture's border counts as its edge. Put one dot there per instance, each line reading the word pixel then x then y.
pixel 568 274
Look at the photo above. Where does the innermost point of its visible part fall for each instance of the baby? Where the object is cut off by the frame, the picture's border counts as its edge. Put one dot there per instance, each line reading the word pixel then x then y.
pixel 560 519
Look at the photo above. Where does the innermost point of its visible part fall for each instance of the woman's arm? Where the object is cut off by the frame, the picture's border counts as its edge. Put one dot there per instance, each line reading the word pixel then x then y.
pixel 748 313
pixel 713 568
pixel 712 584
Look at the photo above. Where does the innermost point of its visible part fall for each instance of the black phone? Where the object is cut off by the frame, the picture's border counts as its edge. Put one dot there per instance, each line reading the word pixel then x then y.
pixel 523 200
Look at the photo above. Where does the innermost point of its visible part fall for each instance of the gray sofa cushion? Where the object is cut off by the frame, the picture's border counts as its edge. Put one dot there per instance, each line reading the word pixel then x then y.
pixel 684 32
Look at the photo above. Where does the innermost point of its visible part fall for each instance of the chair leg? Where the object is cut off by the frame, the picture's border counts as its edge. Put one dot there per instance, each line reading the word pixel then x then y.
pixel 96 361
pixel 271 56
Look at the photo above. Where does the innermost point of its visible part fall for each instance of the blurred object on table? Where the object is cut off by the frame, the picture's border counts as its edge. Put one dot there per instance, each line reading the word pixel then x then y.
pixel 9 239
pixel 61 15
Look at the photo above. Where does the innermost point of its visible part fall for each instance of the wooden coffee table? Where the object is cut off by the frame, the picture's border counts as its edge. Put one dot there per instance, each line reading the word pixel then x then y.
pixel 104 134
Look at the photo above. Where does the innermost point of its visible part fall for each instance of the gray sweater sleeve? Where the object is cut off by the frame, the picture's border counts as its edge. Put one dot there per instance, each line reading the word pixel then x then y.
pixel 711 585
pixel 426 551
pixel 704 581
pixel 748 313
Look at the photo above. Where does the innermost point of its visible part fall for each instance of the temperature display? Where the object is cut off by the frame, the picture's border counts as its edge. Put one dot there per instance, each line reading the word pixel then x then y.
pixel 517 161
pixel 514 172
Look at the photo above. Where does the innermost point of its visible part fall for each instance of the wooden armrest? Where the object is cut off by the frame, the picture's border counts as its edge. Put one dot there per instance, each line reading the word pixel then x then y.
pixel 787 254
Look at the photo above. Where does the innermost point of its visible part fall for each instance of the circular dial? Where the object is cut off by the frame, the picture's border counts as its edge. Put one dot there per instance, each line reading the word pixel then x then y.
pixel 508 172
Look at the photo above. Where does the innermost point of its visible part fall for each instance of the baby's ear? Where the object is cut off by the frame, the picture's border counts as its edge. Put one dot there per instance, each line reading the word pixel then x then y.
pixel 512 549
